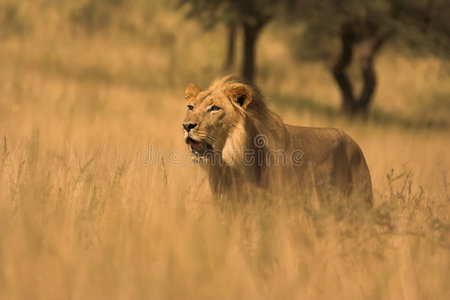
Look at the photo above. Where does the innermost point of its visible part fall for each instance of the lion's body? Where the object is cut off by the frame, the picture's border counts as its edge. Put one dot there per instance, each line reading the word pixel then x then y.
pixel 335 160
pixel 257 150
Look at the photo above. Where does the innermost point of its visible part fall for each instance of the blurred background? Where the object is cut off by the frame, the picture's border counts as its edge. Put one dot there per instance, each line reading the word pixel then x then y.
pixel 89 86
pixel 386 60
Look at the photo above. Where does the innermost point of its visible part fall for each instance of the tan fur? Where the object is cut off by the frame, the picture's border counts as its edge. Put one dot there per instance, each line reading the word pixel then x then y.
pixel 246 141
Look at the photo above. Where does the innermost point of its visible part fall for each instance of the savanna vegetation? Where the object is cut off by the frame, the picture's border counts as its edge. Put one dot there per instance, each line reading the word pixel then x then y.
pixel 97 202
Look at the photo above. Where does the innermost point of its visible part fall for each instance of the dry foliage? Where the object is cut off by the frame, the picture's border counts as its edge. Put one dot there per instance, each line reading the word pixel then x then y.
pixel 86 214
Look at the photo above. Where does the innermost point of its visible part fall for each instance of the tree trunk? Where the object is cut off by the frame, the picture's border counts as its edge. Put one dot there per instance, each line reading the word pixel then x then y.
pixel 370 46
pixel 370 49
pixel 251 34
pixel 229 62
pixel 348 40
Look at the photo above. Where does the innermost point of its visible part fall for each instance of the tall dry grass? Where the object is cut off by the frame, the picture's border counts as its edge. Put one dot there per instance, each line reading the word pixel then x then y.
pixel 85 213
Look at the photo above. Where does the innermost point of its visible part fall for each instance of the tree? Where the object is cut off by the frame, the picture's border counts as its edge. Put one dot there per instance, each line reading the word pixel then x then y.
pixel 249 15
pixel 366 26
pixel 371 39
pixel 213 12
pixel 254 15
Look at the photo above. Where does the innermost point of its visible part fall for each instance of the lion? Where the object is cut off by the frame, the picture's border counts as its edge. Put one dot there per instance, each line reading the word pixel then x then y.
pixel 246 147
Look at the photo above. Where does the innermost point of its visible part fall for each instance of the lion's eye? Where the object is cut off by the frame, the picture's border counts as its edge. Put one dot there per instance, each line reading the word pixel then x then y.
pixel 213 108
pixel 190 107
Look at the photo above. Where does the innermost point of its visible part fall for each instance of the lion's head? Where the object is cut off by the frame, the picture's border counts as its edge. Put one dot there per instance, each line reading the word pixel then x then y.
pixel 215 119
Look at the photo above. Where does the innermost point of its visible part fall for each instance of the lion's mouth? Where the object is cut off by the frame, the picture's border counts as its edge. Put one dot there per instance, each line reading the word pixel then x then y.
pixel 199 148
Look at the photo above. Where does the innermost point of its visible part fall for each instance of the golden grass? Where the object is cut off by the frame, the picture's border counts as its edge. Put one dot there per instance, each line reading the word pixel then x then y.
pixel 82 216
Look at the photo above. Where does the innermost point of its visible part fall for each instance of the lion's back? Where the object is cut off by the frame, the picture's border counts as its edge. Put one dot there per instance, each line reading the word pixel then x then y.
pixel 317 143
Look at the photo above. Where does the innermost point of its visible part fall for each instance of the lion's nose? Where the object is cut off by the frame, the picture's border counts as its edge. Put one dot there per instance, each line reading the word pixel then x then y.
pixel 189 126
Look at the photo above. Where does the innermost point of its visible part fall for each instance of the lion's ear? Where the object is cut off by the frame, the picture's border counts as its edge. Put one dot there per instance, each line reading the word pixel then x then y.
pixel 191 91
pixel 241 94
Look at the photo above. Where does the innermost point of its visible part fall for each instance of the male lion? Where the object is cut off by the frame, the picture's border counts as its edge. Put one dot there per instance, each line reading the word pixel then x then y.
pixel 246 147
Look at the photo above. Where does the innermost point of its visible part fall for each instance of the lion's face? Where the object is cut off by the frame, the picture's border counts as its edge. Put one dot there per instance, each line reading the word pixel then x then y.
pixel 213 117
